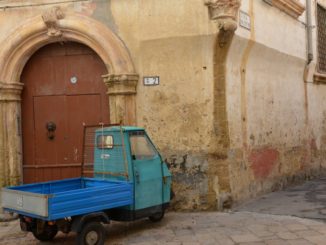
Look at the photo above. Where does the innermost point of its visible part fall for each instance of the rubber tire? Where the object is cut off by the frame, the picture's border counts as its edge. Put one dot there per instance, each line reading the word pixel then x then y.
pixel 48 233
pixel 91 226
pixel 157 217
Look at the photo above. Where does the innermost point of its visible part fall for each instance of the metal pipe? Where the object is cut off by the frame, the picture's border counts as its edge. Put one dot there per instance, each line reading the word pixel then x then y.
pixel 309 31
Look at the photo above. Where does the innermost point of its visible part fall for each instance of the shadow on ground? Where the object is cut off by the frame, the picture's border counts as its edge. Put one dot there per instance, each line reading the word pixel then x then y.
pixel 305 201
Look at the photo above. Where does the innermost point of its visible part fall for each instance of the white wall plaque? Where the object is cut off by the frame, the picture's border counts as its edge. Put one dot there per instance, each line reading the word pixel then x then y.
pixel 244 20
pixel 151 81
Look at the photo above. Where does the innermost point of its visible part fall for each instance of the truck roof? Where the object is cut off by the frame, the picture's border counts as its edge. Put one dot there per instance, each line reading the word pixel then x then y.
pixel 124 128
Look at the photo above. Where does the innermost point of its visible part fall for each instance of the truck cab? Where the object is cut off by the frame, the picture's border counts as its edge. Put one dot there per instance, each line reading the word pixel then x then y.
pixel 128 154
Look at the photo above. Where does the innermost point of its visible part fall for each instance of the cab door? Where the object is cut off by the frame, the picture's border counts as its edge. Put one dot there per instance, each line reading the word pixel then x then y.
pixel 147 170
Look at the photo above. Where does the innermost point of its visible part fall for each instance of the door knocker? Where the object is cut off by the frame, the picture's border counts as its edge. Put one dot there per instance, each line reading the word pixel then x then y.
pixel 51 127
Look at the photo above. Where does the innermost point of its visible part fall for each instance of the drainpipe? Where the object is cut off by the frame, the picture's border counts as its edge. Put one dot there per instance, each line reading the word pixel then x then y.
pixel 309 31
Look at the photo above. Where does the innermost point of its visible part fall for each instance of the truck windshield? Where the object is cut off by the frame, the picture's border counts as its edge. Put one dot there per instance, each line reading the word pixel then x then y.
pixel 141 147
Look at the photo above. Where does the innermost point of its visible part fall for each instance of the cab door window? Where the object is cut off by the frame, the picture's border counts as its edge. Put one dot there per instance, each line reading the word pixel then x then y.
pixel 141 147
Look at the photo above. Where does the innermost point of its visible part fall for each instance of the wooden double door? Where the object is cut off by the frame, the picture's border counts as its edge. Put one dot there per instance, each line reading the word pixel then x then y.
pixel 63 90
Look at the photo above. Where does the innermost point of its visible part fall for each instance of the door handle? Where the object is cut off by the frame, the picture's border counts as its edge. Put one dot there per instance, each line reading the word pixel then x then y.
pixel 137 176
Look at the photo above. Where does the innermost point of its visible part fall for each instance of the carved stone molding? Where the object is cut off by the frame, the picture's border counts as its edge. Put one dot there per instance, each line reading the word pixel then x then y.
pixel 122 84
pixel 51 19
pixel 291 7
pixel 122 97
pixel 225 12
pixel 32 35
pixel 10 91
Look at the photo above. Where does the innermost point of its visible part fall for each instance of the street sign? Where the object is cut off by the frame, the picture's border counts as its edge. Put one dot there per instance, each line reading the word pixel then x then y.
pixel 244 20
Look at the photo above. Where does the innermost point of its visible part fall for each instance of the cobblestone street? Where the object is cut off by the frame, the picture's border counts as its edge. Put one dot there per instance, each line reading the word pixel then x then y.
pixel 196 228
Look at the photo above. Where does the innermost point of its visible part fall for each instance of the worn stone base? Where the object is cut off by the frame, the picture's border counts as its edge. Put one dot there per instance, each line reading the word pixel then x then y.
pixel 270 169
pixel 266 170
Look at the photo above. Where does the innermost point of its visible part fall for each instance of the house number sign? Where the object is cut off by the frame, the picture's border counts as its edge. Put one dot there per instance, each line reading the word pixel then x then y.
pixel 151 81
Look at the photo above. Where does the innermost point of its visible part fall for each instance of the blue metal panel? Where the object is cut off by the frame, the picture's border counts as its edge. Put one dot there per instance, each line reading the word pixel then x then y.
pixel 166 183
pixel 115 161
pixel 79 196
pixel 124 128
pixel 77 203
pixel 51 187
pixel 147 177
pixel 110 160
pixel 148 187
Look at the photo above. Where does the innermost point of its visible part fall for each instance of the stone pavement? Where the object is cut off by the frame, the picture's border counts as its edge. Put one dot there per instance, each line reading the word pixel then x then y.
pixel 306 201
pixel 196 228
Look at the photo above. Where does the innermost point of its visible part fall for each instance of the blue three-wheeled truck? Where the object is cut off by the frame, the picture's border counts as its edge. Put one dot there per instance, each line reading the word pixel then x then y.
pixel 123 178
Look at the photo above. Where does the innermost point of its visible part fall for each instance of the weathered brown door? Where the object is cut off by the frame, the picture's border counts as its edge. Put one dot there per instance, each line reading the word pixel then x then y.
pixel 63 89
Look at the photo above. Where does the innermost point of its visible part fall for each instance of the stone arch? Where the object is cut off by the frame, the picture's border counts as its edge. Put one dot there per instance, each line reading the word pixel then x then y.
pixel 56 26
pixel 36 33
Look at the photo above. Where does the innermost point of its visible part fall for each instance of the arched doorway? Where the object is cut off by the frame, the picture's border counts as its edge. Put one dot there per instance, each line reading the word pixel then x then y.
pixel 121 79
pixel 63 90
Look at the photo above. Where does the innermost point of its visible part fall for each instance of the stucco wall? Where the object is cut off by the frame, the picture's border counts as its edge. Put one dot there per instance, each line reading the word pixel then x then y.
pixel 178 112
pixel 276 119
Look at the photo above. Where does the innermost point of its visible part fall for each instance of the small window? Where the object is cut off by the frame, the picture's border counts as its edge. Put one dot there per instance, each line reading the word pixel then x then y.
pixel 105 142
pixel 141 147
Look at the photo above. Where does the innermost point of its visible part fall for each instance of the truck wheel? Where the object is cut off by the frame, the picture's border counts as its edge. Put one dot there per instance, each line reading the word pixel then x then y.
pixel 47 234
pixel 93 233
pixel 157 217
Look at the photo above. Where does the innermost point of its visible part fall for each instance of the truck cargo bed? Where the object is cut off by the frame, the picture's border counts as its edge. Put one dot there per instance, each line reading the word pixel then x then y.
pixel 65 198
